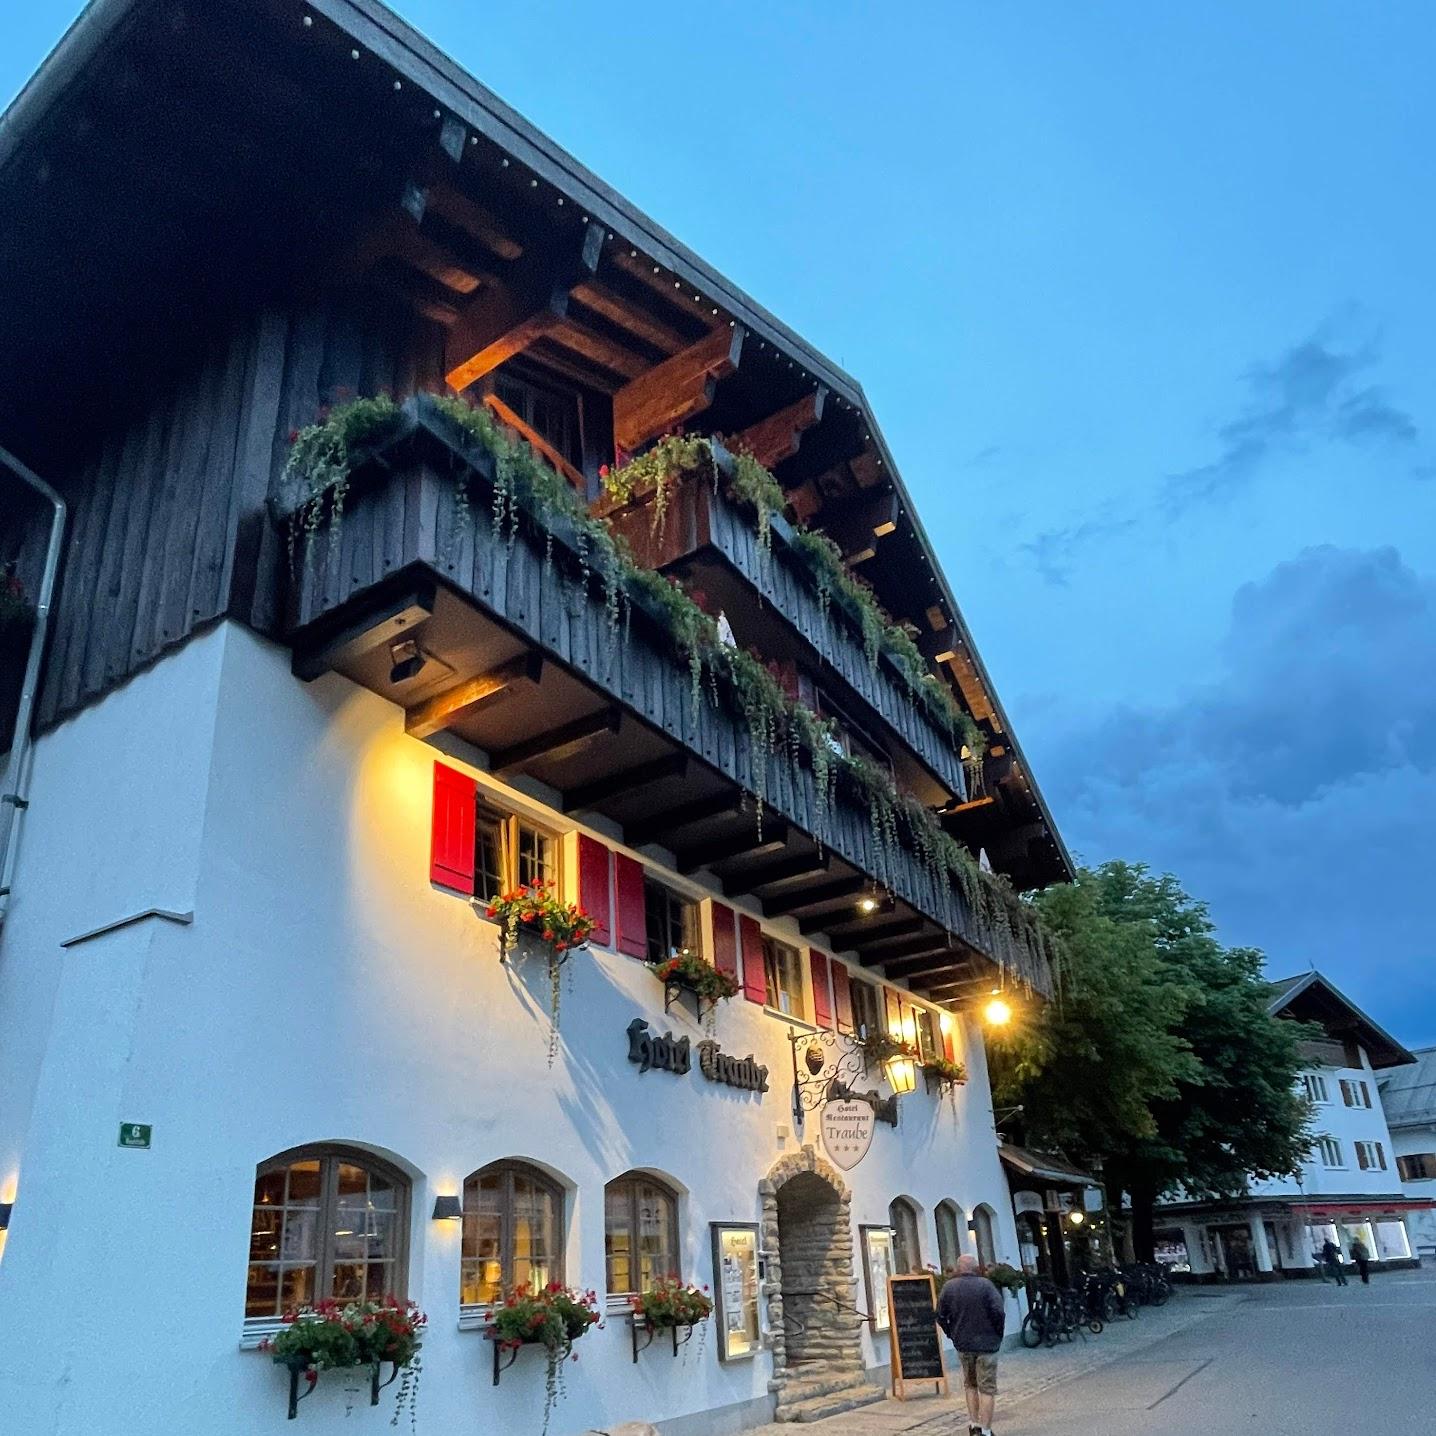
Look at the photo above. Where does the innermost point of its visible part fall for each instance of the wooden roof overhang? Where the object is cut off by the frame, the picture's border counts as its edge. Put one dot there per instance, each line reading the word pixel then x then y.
pixel 172 161
pixel 523 664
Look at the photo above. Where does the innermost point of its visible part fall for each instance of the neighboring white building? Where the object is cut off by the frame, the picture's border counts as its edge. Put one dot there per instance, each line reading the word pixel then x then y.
pixel 1408 1095
pixel 1349 1187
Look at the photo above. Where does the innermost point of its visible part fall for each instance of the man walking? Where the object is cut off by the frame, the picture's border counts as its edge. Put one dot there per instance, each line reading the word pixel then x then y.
pixel 1331 1256
pixel 1362 1257
pixel 970 1310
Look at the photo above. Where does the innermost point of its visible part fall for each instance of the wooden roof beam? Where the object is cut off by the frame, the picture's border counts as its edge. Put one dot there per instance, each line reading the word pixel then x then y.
pixel 796 865
pixel 556 742
pixel 627 316
pixel 734 845
pixel 523 307
pixel 600 790
pixel 777 437
pixel 856 525
pixel 840 890
pixel 460 702
pixel 674 391
pixel 535 440
pixel 660 826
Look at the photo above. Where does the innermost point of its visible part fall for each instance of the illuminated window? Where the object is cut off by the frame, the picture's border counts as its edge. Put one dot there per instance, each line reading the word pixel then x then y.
pixel 783 974
pixel 672 921
pixel 509 851
pixel 327 1222
pixel 640 1237
pixel 926 1037
pixel 513 1233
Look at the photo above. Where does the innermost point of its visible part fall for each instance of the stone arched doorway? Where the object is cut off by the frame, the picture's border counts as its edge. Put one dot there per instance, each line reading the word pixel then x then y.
pixel 812 1315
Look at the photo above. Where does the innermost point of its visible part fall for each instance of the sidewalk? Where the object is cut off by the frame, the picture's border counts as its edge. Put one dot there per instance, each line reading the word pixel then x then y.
pixel 1024 1374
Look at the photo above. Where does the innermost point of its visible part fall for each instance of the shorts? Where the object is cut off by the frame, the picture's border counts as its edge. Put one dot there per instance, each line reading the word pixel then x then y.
pixel 979 1370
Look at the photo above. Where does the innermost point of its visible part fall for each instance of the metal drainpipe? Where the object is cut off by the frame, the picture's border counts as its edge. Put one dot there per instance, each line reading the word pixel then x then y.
pixel 17 774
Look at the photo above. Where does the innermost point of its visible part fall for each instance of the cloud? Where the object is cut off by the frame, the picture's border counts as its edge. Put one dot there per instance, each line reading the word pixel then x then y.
pixel 1296 793
pixel 1310 394
pixel 1055 552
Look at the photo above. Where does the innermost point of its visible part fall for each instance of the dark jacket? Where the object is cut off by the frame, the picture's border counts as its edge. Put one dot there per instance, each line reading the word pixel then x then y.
pixel 971 1311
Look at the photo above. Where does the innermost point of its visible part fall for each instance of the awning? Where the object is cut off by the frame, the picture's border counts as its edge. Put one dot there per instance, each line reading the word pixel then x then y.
pixel 1359 1211
pixel 1045 1167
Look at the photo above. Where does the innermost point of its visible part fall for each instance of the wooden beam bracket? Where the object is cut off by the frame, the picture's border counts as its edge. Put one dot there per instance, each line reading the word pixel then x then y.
pixel 556 742
pixel 464 699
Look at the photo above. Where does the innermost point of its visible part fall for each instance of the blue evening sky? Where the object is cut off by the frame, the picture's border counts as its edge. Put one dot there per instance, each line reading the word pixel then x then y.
pixel 1142 297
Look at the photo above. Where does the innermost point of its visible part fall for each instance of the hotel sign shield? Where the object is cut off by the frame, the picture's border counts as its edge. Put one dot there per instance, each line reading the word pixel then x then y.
pixel 847 1131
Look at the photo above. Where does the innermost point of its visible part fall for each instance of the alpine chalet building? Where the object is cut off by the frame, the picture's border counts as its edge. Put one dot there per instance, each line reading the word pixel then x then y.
pixel 436 565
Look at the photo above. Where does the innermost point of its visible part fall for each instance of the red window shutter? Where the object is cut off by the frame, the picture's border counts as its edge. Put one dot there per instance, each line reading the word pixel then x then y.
pixel 451 838
pixel 842 998
pixel 755 984
pixel 822 1003
pixel 725 940
pixel 949 1045
pixel 593 894
pixel 630 909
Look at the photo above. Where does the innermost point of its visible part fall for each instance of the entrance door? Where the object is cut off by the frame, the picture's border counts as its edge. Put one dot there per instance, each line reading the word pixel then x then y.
pixel 1234 1247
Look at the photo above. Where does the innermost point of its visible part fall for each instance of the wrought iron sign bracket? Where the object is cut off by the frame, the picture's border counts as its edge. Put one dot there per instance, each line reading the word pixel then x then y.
pixel 822 1072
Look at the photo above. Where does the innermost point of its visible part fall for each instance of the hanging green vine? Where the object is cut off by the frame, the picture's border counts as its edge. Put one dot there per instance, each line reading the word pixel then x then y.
pixel 778 726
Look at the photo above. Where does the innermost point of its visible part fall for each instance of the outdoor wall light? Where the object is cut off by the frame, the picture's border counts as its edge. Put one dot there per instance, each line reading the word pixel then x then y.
pixel 902 1073
pixel 447 1209
pixel 867 905
pixel 1076 1218
pixel 5 1209
pixel 997 1013
pixel 407 660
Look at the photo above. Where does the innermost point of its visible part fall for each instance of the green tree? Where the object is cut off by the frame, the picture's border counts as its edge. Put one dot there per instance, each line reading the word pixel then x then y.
pixel 1158 1059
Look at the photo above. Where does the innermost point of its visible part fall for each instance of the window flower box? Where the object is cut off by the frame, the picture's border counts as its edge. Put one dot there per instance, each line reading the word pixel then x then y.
pixel 553 1318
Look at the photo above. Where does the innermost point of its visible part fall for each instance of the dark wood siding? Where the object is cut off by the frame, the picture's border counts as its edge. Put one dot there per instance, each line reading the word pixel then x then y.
pixel 167 529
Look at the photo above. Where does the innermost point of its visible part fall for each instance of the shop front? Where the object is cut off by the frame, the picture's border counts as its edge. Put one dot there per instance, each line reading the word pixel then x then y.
pixel 1061 1216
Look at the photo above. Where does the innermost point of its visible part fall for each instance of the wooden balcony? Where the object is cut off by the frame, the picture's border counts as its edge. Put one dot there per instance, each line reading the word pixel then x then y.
pixel 523 656
pixel 772 600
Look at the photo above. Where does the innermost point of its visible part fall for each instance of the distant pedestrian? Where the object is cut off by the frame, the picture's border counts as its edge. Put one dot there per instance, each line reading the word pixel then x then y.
pixel 1319 1262
pixel 1362 1258
pixel 971 1311
pixel 1331 1256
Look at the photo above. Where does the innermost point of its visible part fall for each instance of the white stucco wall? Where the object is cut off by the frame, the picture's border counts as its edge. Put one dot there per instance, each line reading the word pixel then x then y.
pixel 327 992
pixel 1421 1225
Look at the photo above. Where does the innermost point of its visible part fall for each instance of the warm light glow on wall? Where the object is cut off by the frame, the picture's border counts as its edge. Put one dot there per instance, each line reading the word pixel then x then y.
pixel 997 1013
pixel 944 1022
pixel 9 1187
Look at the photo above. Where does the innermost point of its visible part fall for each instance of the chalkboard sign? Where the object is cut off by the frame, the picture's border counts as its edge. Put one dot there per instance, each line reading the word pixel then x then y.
pixel 916 1349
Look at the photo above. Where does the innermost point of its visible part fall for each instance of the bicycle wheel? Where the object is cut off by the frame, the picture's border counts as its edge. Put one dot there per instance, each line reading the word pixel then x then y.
pixel 1032 1330
pixel 1160 1293
pixel 1094 1325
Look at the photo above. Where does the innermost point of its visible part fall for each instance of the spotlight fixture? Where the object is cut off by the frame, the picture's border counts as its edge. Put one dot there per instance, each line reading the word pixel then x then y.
pixel 407 660
pixel 447 1209
pixel 867 904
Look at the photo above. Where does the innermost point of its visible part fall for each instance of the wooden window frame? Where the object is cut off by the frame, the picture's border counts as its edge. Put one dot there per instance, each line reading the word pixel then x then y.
pixel 900 1209
pixel 633 1180
pixel 1416 1166
pixel 510 1168
pixel 1329 1147
pixel 511 825
pixel 1316 1089
pixel 673 898
pixel 330 1156
pixel 873 997
pixel 773 950
pixel 928 1042
pixel 948 1209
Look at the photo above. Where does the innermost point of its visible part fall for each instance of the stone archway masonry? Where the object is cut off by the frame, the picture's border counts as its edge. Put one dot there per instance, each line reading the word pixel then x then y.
pixel 819 1255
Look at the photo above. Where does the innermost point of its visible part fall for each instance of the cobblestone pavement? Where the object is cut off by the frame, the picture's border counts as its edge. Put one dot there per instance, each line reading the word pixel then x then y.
pixel 1025 1374
pixel 1285 1359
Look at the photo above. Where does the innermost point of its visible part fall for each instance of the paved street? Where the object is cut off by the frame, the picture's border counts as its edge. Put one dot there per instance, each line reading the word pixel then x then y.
pixel 1283 1360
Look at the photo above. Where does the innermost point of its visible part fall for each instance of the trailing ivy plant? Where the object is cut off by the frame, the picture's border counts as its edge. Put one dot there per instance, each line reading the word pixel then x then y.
pixel 779 727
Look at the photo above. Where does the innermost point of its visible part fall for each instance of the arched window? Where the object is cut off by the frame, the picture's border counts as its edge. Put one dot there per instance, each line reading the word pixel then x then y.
pixel 328 1222
pixel 513 1232
pixel 640 1233
pixel 982 1235
pixel 907 1248
pixel 949 1234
